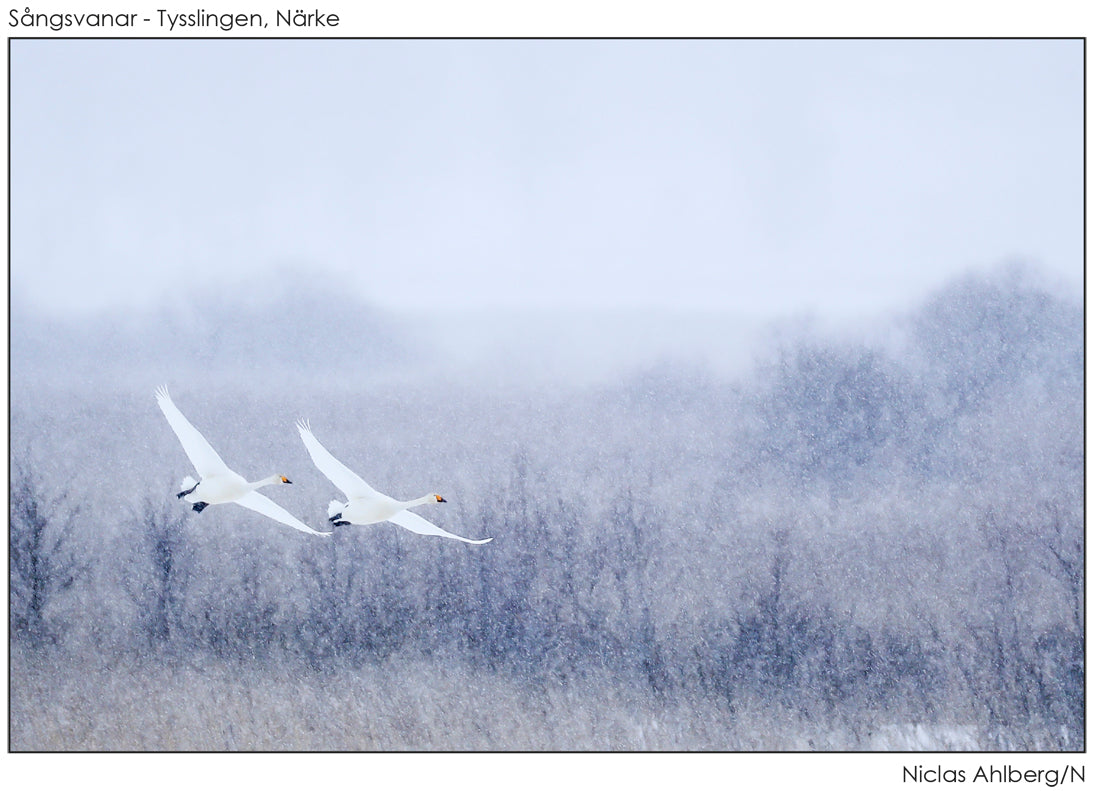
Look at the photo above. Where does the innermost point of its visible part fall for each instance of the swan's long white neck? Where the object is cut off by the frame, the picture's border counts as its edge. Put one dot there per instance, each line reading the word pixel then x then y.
pixel 428 498
pixel 268 481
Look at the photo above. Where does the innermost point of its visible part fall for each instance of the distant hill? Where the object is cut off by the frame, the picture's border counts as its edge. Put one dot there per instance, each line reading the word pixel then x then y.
pixel 302 329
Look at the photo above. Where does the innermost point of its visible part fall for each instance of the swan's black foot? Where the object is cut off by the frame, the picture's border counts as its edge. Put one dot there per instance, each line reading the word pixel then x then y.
pixel 340 523
pixel 187 491
pixel 199 506
pixel 334 517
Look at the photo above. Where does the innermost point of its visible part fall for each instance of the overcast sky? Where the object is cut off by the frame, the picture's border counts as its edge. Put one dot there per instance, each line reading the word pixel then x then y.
pixel 763 178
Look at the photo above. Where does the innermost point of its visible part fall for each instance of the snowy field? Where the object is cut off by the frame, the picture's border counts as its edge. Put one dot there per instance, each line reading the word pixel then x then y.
pixel 420 705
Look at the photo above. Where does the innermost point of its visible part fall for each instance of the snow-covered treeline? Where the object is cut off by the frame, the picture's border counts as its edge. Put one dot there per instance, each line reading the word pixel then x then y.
pixel 862 533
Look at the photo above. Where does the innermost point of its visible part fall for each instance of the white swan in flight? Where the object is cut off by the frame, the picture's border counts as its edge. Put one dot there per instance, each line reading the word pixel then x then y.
pixel 364 505
pixel 218 483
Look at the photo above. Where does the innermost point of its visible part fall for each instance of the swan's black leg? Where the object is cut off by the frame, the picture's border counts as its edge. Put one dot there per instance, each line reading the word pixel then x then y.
pixel 199 506
pixel 334 517
pixel 341 522
pixel 187 492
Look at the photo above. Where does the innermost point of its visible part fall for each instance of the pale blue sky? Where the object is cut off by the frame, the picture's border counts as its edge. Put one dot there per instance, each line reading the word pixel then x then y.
pixel 764 178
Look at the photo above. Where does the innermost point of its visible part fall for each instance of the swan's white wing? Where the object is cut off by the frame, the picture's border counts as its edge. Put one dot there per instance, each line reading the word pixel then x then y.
pixel 205 459
pixel 257 502
pixel 418 524
pixel 344 479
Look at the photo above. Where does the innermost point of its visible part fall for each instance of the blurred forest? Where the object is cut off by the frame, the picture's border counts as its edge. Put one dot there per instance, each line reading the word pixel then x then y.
pixel 865 543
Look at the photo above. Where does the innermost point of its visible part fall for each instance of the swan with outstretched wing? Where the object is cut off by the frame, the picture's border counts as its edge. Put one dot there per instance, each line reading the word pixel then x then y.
pixel 217 483
pixel 363 504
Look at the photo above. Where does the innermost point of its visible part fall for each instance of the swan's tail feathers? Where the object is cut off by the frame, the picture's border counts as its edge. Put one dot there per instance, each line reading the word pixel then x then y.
pixel 334 508
pixel 187 485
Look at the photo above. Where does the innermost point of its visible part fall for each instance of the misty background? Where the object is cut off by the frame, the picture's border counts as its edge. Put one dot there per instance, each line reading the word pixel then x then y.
pixel 761 362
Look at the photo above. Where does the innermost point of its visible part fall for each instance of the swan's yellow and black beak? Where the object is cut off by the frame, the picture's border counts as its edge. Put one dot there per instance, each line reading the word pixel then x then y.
pixel 439 499
pixel 285 479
